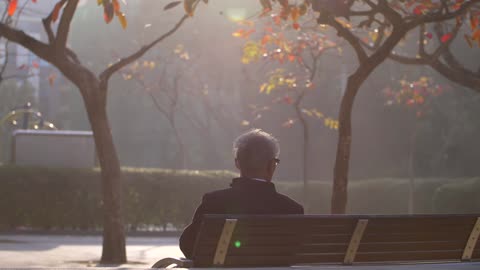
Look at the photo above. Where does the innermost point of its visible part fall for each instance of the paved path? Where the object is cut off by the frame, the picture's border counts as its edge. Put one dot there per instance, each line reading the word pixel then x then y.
pixel 79 251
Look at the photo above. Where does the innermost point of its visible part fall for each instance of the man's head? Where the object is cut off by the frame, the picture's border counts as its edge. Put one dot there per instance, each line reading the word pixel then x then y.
pixel 256 154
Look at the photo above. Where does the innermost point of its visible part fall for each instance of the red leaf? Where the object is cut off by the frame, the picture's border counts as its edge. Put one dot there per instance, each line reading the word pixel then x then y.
pixel 296 26
pixel 35 64
pixel 287 100
pixel 12 7
pixel 445 38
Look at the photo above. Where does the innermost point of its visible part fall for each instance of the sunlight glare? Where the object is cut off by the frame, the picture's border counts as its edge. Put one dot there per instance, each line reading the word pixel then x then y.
pixel 236 14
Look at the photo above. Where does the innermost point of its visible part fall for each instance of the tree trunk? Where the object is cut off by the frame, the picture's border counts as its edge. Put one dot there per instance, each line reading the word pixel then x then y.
pixel 306 199
pixel 411 171
pixel 113 231
pixel 355 81
pixel 342 161
pixel 181 155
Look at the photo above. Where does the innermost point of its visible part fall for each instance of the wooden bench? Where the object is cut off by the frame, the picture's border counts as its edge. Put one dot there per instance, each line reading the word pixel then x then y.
pixel 256 241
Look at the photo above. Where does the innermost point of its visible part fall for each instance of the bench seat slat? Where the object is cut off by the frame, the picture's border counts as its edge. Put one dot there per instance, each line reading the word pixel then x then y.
pixel 247 261
pixel 285 240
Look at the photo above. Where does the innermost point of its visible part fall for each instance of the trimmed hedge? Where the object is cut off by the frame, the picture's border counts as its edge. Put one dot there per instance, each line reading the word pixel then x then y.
pixel 71 198
pixel 44 198
pixel 460 197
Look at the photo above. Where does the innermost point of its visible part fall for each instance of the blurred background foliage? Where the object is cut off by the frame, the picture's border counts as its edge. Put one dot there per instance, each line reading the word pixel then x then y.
pixel 219 97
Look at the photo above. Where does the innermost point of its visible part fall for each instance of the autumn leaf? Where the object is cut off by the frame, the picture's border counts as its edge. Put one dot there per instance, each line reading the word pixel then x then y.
pixel 288 100
pixel 116 6
pixel 445 38
pixel 12 7
pixel 294 13
pixel 122 19
pixel 171 5
pixel 108 12
pixel 474 21
pixel 267 6
pixel 56 11
pixel 188 6
pixel 476 35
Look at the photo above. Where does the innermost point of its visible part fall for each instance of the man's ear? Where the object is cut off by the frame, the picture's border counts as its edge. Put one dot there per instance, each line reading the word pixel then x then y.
pixel 272 165
pixel 236 164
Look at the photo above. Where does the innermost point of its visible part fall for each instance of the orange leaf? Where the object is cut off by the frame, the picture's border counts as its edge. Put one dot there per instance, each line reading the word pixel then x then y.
pixel 476 35
pixel 122 19
pixel 12 7
pixel 116 6
pixel 474 21
pixel 266 39
pixel 188 6
pixel 294 13
pixel 56 11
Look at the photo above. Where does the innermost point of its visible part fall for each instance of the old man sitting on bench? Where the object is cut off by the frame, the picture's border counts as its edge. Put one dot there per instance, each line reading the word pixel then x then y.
pixel 253 193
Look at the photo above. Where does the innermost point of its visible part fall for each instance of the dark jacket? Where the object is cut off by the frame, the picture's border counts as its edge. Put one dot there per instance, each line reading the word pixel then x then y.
pixel 245 196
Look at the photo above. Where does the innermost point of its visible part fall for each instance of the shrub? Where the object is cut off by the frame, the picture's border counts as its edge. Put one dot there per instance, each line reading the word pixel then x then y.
pixel 458 197
pixel 43 198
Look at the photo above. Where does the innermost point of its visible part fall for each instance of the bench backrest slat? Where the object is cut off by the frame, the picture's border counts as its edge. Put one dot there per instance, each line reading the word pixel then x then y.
pixel 290 240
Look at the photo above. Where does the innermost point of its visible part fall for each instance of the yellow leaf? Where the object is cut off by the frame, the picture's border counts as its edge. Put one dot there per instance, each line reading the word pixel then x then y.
pixel 122 19
pixel 245 123
pixel 179 49
pixel 185 56
pixel 263 87
pixel 307 112
pixel 270 87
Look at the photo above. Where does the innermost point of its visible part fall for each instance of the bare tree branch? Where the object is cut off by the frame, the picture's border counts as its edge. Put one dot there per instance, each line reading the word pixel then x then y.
pixel 47 22
pixel 346 34
pixel 39 48
pixel 439 16
pixel 107 73
pixel 64 26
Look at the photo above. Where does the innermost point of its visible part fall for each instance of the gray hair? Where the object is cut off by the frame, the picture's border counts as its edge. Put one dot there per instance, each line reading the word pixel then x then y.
pixel 255 149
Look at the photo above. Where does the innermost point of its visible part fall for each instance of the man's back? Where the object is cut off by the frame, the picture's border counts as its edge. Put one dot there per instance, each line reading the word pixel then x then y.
pixel 246 196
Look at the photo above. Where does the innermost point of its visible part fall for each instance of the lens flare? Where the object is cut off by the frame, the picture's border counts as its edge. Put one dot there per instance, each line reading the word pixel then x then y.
pixel 238 244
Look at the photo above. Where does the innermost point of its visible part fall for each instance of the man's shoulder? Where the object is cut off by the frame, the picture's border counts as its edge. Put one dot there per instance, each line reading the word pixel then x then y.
pixel 295 207
pixel 220 193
